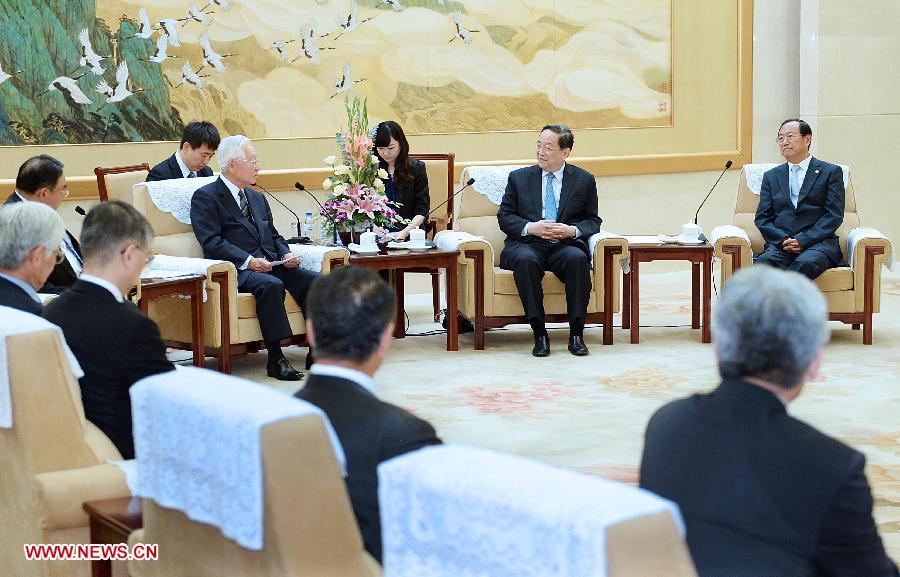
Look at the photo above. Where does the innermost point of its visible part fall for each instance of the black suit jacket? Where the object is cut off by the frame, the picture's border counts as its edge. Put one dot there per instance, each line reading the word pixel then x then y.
pixel 371 431
pixel 819 212
pixel 116 346
pixel 13 296
pixel 523 202
pixel 225 234
pixel 762 494
pixel 169 169
pixel 413 197
pixel 63 275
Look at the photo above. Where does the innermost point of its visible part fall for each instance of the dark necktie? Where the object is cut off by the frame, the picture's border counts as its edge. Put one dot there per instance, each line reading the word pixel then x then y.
pixel 192 174
pixel 245 206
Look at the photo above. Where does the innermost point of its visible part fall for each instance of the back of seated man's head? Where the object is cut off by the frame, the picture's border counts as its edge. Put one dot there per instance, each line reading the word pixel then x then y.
pixel 349 309
pixel 111 231
pixel 30 237
pixel 41 175
pixel 769 325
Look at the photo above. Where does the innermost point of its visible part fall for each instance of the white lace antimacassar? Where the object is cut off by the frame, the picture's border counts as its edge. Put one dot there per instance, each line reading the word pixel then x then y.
pixel 490 180
pixel 174 196
pixel 755 174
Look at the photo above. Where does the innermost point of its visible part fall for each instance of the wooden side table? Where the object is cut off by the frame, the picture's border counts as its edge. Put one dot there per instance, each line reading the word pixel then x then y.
pixel 111 522
pixel 400 261
pixel 643 249
pixel 189 285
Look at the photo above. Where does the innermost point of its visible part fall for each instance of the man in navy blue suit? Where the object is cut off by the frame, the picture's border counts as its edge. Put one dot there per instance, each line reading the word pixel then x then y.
pixel 234 222
pixel 801 206
pixel 199 142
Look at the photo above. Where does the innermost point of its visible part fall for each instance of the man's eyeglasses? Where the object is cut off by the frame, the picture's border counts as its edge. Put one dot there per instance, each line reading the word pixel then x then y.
pixel 64 190
pixel 59 256
pixel 787 137
pixel 545 147
pixel 254 162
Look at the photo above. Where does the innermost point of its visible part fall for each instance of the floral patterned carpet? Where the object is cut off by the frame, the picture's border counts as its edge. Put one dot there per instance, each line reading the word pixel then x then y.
pixel 589 413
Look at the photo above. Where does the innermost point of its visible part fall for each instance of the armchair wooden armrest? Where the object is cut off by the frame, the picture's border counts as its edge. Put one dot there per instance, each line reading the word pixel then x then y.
pixel 608 253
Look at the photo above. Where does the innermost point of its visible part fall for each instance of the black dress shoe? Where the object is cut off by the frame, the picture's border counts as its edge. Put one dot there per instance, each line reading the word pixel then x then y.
pixel 282 370
pixel 576 346
pixel 541 346
pixel 310 359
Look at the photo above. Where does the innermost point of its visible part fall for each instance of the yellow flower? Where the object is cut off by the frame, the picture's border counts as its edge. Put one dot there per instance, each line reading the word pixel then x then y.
pixel 382 173
pixel 326 184
pixel 330 160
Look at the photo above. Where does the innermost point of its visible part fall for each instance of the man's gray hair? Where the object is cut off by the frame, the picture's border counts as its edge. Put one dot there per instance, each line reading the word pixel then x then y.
pixel 231 148
pixel 25 226
pixel 109 227
pixel 769 324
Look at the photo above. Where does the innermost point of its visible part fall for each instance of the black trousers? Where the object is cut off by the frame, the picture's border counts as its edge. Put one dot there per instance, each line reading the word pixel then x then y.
pixel 811 263
pixel 567 260
pixel 269 289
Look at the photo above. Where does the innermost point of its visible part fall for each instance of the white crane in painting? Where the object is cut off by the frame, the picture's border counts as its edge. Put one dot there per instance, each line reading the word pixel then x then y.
pixel 69 87
pixel 223 4
pixel 461 30
pixel 395 4
pixel 4 76
pixel 352 21
pixel 170 27
pixel 344 83
pixel 88 56
pixel 121 91
pixel 190 77
pixel 280 46
pixel 196 15
pixel 162 46
pixel 210 56
pixel 309 47
pixel 145 30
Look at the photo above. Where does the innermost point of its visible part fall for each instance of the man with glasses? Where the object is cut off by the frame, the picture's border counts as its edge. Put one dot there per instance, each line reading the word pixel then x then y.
pixel 113 341
pixel 41 179
pixel 549 212
pixel 199 142
pixel 233 222
pixel 801 206
pixel 30 233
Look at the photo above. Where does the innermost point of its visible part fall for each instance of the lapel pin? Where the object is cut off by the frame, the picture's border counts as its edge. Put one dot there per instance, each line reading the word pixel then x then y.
pixel 817 172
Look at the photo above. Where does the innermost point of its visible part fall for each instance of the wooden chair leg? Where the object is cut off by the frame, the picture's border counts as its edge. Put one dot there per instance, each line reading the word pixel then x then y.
pixel 436 294
pixel 867 330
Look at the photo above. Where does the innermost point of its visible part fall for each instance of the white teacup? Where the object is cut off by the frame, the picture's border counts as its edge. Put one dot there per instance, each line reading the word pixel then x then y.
pixel 690 232
pixel 417 238
pixel 367 240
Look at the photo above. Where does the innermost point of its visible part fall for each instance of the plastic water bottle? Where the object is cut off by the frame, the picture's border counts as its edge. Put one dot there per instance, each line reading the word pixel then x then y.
pixel 309 227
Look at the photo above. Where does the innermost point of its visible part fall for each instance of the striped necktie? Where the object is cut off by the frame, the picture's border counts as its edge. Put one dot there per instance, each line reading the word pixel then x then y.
pixel 245 206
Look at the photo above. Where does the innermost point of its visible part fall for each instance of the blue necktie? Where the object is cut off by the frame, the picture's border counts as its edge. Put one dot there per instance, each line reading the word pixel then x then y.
pixel 549 199
pixel 795 184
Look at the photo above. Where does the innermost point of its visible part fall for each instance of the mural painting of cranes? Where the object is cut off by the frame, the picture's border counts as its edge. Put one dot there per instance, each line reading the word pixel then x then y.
pixel 133 70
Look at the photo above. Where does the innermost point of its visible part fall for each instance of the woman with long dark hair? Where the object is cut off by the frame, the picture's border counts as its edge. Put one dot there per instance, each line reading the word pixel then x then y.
pixel 407 182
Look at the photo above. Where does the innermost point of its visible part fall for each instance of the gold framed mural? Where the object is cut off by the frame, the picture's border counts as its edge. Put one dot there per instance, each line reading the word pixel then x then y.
pixel 648 85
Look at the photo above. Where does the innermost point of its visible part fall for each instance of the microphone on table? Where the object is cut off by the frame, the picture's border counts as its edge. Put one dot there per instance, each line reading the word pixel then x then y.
pixel 80 211
pixel 299 226
pixel 324 212
pixel 469 183
pixel 694 225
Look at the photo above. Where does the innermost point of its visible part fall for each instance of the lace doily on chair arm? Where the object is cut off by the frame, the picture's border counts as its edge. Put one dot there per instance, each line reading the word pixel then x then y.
pixel 168 266
pixel 317 258
pixel 606 238
pixel 873 237
pixel 734 234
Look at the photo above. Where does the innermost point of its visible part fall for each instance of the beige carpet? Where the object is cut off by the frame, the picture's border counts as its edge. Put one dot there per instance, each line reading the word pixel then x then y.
pixel 589 413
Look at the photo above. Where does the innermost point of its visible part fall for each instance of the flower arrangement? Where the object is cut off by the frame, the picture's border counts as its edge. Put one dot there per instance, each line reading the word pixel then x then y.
pixel 356 199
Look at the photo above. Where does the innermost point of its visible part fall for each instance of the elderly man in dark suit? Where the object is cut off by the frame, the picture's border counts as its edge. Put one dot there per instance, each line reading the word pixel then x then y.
pixel 30 234
pixel 199 142
pixel 41 179
pixel 548 213
pixel 761 492
pixel 801 206
pixel 113 341
pixel 234 222
pixel 350 323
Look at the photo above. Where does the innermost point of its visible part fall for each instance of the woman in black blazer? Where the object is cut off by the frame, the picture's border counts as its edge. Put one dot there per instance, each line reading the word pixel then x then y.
pixel 407 182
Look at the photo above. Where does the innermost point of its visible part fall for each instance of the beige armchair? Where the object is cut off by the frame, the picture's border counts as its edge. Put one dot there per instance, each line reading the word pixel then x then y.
pixel 53 459
pixel 116 182
pixel 230 326
pixel 488 295
pixel 309 531
pixel 853 293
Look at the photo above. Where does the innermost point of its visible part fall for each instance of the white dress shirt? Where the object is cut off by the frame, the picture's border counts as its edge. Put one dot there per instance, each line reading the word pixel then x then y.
pixel 185 171
pixel 358 377
pixel 113 289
